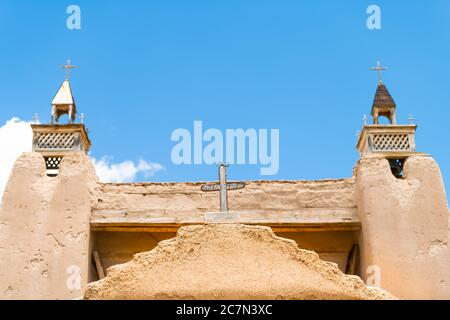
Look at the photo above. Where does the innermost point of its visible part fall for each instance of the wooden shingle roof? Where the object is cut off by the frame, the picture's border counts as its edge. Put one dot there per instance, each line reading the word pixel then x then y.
pixel 383 98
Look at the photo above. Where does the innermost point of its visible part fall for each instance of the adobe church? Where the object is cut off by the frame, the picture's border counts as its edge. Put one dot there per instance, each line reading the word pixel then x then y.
pixel 382 233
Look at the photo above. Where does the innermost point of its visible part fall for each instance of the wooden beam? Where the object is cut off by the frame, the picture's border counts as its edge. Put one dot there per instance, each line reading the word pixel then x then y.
pixel 280 227
pixel 343 219
pixel 98 265
pixel 352 260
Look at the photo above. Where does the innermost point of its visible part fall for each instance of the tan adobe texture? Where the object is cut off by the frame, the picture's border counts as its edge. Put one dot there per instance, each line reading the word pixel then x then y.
pixel 405 229
pixel 44 229
pixel 50 225
pixel 259 202
pixel 229 261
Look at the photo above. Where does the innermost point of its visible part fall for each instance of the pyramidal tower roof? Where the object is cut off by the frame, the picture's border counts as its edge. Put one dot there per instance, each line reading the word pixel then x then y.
pixel 383 98
pixel 64 95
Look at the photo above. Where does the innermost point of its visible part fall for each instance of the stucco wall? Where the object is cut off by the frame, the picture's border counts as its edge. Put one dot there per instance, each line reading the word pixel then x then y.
pixel 405 226
pixel 119 247
pixel 44 229
pixel 187 200
pixel 282 201
pixel 311 205
pixel 44 222
pixel 229 261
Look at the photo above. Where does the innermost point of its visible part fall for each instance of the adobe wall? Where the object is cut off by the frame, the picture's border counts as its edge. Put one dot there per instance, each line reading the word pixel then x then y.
pixel 45 222
pixel 229 261
pixel 405 226
pixel 283 200
pixel 44 229
pixel 119 247
pixel 45 232
pixel 274 201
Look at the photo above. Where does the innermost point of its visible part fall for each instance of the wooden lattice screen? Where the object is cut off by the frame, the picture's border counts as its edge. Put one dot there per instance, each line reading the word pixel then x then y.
pixel 55 140
pixel 391 142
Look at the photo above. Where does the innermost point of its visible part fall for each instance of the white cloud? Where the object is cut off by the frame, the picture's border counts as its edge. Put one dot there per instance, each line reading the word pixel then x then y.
pixel 16 137
pixel 124 171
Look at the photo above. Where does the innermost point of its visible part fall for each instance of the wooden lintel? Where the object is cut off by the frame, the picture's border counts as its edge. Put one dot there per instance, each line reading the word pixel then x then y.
pixel 279 227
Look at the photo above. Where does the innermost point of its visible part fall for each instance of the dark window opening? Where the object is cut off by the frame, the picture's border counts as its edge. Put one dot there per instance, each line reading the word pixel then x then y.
pixel 52 165
pixel 397 167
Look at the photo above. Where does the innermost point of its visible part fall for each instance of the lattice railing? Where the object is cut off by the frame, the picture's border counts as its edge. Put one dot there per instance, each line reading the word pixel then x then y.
pixel 55 140
pixel 391 142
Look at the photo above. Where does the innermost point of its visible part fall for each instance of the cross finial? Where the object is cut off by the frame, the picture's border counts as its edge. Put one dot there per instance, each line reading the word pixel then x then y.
pixel 411 119
pixel 379 68
pixel 68 66
pixel 35 119
pixel 223 186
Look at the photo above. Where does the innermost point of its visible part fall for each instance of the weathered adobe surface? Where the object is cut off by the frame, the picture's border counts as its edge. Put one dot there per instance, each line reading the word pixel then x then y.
pixel 229 261
pixel 44 227
pixel 405 226
pixel 259 199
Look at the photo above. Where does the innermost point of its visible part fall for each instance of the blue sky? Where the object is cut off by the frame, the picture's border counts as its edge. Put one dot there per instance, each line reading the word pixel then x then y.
pixel 150 67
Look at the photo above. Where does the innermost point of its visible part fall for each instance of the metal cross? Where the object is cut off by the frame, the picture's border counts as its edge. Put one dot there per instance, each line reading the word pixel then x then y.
pixel 379 68
pixel 35 119
pixel 223 186
pixel 411 119
pixel 68 66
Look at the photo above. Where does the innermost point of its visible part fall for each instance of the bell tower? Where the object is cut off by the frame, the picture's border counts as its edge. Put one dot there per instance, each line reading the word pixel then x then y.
pixel 54 140
pixel 383 104
pixel 393 141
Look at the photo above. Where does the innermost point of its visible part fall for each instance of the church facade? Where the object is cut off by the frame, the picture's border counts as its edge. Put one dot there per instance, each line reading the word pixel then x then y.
pixel 62 229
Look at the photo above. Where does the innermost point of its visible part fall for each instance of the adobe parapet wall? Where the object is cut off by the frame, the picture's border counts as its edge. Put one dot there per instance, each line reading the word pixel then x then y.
pixel 259 198
pixel 405 227
pixel 45 229
pixel 45 223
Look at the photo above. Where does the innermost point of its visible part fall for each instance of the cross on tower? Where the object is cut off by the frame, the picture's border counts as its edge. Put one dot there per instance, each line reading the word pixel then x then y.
pixel 68 66
pixel 379 68
pixel 223 187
